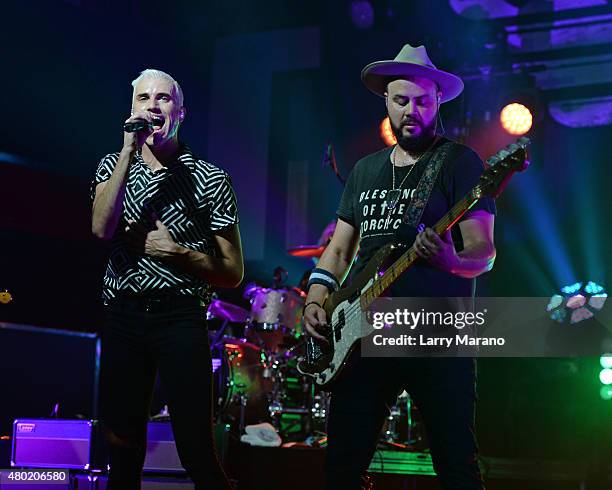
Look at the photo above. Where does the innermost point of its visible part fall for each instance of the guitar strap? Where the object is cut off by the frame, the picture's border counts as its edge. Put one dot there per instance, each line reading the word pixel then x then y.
pixel 413 214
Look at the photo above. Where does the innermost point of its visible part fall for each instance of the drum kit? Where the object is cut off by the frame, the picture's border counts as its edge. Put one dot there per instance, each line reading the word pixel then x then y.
pixel 254 363
pixel 255 374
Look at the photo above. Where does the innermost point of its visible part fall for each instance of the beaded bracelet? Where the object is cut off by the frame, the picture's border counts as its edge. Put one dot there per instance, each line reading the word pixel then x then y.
pixel 311 303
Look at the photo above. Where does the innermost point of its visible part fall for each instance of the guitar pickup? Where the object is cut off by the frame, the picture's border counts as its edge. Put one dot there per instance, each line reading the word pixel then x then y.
pixel 339 325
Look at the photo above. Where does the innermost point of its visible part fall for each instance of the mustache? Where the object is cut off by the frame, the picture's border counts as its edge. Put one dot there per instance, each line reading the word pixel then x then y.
pixel 408 121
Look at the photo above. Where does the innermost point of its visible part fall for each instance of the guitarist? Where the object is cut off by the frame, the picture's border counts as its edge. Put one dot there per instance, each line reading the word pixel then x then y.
pixel 376 196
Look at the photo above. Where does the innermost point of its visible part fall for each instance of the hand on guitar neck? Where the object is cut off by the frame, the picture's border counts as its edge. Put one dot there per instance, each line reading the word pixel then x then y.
pixel 438 251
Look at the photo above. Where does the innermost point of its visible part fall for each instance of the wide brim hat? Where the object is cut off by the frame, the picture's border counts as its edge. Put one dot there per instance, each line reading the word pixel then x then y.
pixel 414 62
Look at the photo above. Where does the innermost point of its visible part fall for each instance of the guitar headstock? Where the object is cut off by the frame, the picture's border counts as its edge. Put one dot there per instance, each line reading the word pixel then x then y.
pixel 501 166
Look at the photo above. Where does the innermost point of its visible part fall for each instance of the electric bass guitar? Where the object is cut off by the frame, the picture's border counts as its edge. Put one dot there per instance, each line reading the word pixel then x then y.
pixel 347 307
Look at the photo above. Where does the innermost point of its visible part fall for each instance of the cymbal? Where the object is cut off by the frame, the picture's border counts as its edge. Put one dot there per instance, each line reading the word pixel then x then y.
pixel 227 311
pixel 308 251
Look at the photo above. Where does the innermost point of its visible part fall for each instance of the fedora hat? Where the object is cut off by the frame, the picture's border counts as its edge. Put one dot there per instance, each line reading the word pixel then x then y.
pixel 410 62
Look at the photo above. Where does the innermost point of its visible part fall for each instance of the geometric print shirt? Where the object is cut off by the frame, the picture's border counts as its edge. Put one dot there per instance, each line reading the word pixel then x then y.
pixel 193 199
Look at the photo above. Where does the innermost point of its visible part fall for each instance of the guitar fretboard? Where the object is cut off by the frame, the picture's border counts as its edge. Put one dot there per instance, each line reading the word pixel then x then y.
pixel 406 260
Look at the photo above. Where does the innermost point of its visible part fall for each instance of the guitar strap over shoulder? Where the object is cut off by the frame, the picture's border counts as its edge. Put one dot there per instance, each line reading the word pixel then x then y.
pixel 413 214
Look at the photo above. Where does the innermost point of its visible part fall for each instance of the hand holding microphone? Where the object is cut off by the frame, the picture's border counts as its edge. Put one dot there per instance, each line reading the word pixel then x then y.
pixel 132 127
pixel 136 130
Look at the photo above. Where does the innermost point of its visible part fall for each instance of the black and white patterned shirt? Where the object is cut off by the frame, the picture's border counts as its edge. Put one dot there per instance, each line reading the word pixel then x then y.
pixel 192 198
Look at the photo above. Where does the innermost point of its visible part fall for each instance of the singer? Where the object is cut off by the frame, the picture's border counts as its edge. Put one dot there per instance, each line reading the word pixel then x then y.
pixel 172 222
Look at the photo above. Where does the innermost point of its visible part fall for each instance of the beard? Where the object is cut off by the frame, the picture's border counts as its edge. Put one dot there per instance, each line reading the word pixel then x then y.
pixel 416 143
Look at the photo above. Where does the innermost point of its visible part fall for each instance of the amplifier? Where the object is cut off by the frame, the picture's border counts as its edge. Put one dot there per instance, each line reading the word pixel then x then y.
pixel 52 443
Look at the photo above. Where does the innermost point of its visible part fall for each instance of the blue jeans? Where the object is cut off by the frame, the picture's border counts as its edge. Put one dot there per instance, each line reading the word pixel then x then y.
pixel 135 345
pixel 444 390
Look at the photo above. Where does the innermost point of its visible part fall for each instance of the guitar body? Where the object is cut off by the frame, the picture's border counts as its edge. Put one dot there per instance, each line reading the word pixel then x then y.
pixel 345 315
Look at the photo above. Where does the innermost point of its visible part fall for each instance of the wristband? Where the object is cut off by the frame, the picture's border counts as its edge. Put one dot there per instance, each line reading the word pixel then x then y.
pixel 323 277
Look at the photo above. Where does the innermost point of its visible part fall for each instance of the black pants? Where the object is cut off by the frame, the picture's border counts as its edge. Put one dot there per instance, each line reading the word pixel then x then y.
pixel 443 390
pixel 135 344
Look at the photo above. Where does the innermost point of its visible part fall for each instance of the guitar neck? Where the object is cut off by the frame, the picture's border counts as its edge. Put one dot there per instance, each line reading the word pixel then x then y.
pixel 408 258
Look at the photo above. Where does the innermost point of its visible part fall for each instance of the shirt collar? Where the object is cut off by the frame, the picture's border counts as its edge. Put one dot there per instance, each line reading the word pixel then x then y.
pixel 185 157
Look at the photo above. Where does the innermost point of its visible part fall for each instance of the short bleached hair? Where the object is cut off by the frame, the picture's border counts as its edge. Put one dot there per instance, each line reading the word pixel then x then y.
pixel 152 73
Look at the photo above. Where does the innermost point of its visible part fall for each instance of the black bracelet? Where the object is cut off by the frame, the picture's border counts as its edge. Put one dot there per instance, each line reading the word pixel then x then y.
pixel 311 303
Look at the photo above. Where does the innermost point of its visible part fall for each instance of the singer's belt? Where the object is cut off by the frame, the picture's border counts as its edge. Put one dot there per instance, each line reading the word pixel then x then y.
pixel 159 304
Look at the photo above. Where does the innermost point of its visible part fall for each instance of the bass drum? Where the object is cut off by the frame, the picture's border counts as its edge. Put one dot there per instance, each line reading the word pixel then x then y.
pixel 239 370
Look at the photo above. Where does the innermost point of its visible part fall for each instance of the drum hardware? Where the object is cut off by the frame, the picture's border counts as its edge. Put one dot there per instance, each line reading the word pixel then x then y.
pixel 243 404
pixel 313 251
pixel 224 310
pixel 306 251
pixel 280 277
pixel 228 313
pixel 320 409
pixel 162 416
pixel 391 434
pixel 401 429
pixel 220 333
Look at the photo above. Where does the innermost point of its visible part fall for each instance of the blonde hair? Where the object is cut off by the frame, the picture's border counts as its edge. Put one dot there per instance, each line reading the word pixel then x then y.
pixel 152 73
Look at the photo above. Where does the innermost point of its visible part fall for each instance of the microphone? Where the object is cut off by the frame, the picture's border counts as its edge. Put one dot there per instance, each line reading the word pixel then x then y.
pixel 134 126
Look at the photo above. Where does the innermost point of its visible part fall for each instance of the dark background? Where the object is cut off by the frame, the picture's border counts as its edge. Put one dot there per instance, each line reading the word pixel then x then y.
pixel 67 67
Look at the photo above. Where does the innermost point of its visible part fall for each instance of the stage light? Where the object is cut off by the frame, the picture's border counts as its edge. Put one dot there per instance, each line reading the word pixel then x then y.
pixel 572 288
pixel 516 118
pixel 593 288
pixel 605 376
pixel 606 392
pixel 577 302
pixel 606 361
pixel 386 133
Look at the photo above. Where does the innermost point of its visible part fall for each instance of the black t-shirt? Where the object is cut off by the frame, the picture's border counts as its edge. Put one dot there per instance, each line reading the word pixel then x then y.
pixel 364 206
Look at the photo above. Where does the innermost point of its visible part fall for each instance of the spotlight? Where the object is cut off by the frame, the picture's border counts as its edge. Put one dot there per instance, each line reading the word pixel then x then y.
pixel 606 361
pixel 606 392
pixel 577 302
pixel 520 105
pixel 605 376
pixel 386 133
pixel 516 118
